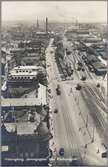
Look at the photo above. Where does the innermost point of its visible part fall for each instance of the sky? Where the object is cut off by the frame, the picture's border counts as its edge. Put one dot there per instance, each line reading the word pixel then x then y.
pixel 94 11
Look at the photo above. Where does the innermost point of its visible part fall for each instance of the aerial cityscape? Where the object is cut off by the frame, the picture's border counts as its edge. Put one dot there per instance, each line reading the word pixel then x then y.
pixel 54 84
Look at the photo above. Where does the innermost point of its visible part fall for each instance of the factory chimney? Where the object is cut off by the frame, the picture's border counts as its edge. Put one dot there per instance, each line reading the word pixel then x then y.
pixel 37 25
pixel 46 25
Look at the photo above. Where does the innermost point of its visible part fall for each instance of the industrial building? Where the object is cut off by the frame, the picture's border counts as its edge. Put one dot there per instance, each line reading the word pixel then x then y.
pixel 95 62
pixel 99 68
pixel 92 40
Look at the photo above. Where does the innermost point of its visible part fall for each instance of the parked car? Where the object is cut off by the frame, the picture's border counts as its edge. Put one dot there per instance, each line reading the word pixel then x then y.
pixel 56 111
pixel 61 151
pixel 58 91
pixel 78 87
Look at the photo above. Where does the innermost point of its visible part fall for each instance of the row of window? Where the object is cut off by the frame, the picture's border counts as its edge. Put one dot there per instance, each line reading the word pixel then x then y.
pixel 19 77
pixel 17 71
pixel 27 154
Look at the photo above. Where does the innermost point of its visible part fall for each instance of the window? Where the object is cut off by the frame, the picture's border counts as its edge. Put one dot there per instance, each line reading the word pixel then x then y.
pixel 26 154
pixel 21 155
pixel 32 154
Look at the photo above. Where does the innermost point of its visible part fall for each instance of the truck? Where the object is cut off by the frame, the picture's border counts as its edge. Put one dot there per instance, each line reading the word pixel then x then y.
pixel 58 91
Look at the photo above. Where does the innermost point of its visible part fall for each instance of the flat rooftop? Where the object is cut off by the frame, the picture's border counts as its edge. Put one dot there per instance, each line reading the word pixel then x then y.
pixel 42 95
pixel 27 128
pixel 22 127
pixel 20 102
pixel 28 67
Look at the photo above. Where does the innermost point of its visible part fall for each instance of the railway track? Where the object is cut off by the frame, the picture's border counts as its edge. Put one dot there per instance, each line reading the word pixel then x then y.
pixel 100 115
pixel 97 98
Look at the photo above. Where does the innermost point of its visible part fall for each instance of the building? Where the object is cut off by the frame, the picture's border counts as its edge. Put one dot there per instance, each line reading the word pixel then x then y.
pixel 5 57
pixel 24 79
pixel 3 63
pixel 92 40
pixel 24 140
pixel 77 33
pixel 23 73
pixel 24 147
pixel 99 68
pixel 29 53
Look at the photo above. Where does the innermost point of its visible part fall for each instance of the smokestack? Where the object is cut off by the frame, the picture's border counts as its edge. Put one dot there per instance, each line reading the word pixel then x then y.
pixel 46 25
pixel 37 26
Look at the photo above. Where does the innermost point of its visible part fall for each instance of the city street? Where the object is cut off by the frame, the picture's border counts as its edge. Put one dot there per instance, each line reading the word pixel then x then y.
pixel 54 84
pixel 73 127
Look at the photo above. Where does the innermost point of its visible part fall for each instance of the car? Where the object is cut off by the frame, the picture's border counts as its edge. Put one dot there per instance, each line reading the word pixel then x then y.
pixel 83 78
pixel 78 87
pixel 104 150
pixel 61 151
pixel 83 69
pixel 56 111
pixel 58 91
pixel 68 52
pixel 98 85
pixel 78 68
pixel 48 65
pixel 104 155
pixel 49 90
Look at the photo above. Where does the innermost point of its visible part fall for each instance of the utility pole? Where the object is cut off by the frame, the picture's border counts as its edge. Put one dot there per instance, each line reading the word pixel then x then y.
pixel 93 134
pixel 37 26
pixel 87 122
